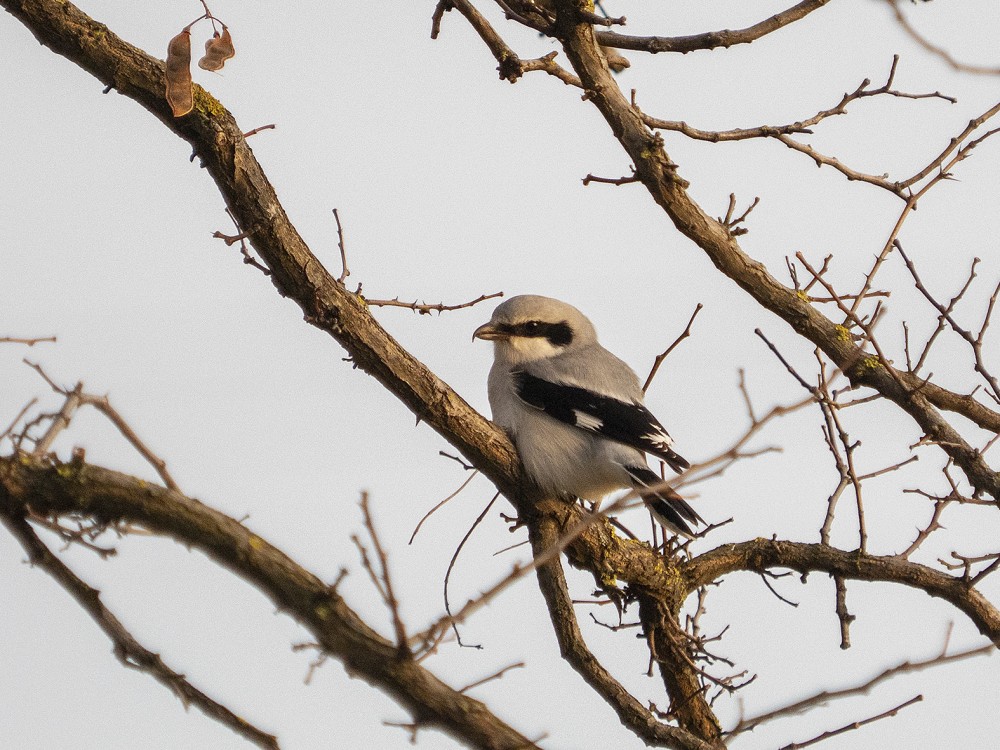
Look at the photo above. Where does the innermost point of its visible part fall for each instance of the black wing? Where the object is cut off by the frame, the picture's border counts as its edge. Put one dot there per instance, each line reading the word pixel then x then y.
pixel 622 421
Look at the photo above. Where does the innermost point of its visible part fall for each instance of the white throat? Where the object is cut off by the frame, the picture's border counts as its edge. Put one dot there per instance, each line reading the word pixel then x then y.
pixel 519 350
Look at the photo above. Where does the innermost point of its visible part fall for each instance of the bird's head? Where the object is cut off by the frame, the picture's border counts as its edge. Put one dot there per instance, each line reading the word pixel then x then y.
pixel 530 327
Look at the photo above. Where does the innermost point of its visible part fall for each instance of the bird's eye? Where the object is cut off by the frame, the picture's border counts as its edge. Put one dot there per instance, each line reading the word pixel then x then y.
pixel 531 326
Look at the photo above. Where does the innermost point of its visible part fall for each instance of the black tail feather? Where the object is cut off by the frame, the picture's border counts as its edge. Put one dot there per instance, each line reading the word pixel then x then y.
pixel 667 507
pixel 674 460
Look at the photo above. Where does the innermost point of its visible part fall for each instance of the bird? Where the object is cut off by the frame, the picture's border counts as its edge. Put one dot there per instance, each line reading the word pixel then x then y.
pixel 575 411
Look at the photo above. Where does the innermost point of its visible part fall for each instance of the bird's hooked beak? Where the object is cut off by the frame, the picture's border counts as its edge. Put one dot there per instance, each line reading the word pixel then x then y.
pixel 488 332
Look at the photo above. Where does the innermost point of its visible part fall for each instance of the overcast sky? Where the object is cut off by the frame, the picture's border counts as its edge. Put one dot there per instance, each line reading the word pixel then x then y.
pixel 450 184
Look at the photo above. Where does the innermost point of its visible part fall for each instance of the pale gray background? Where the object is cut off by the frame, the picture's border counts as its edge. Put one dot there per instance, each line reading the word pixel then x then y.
pixel 452 183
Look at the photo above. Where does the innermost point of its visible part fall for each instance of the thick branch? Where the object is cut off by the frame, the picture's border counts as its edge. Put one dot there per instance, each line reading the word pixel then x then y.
pixel 110 497
pixel 759 555
pixel 296 272
pixel 655 169
pixel 128 650
pixel 635 716
pixel 711 39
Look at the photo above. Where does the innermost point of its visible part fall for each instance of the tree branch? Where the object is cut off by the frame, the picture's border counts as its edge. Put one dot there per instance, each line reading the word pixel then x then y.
pixel 759 555
pixel 659 174
pixel 127 649
pixel 296 272
pixel 112 497
pixel 635 716
pixel 711 39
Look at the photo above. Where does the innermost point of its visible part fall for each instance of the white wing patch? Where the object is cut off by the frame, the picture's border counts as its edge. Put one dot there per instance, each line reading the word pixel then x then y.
pixel 587 421
pixel 659 438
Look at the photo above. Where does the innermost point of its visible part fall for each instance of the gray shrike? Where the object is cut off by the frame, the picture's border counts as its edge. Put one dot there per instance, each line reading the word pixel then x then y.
pixel 574 410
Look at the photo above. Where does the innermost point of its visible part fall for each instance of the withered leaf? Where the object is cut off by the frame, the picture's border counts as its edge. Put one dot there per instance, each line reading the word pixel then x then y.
pixel 218 49
pixel 180 93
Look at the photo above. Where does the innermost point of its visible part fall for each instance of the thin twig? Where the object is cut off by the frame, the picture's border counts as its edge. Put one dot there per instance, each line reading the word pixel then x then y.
pixel 451 566
pixel 824 697
pixel 784 361
pixel 426 309
pixel 76 398
pixel 934 49
pixel 660 357
pixel 258 129
pixel 127 649
pixel 402 642
pixel 29 341
pixel 611 180
pixel 940 168
pixel 61 420
pixel 20 414
pixel 429 513
pixel 724 38
pixel 945 311
pixel 343 252
pixel 495 676
pixel 784 133
pixel 853 725
pixel 241 237
pixel 103 405
pixel 933 525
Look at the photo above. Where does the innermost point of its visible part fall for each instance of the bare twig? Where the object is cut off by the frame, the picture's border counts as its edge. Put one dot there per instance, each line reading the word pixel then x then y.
pixel 440 9
pixel 713 39
pixel 933 525
pixel 934 49
pixel 764 576
pixel 940 168
pixel 824 697
pixel 62 419
pixel 845 617
pixel 716 465
pixel 241 237
pixel 402 642
pixel 258 129
pixel 127 649
pixel 945 312
pixel 429 513
pixel 733 224
pixel 451 566
pixel 888 469
pixel 103 405
pixel 495 676
pixel 965 563
pixel 852 317
pixel 511 67
pixel 16 419
pixel 784 133
pixel 76 398
pixel 28 341
pixel 426 309
pixel 784 361
pixel 458 460
pixel 83 534
pixel 610 180
pixel 315 664
pixel 345 272
pixel 853 725
pixel 660 357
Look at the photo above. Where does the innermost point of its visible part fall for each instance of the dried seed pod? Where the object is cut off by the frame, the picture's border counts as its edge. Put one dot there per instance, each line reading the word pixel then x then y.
pixel 180 94
pixel 218 49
